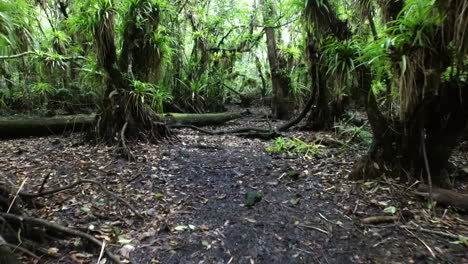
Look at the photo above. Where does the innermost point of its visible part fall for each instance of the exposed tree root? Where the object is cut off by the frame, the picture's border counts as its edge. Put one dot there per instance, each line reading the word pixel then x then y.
pixel 126 151
pixel 79 182
pixel 8 220
pixel 21 249
pixel 60 228
pixel 6 256
pixel 445 197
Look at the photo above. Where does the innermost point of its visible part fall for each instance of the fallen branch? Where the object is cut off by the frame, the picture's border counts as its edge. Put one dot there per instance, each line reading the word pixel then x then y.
pixel 79 182
pixel 60 228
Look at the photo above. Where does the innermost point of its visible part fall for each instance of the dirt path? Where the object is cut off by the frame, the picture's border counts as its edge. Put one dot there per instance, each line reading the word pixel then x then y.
pixel 193 196
pixel 212 181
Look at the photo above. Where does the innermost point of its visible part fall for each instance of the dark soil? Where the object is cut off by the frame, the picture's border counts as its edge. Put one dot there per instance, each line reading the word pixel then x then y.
pixel 193 195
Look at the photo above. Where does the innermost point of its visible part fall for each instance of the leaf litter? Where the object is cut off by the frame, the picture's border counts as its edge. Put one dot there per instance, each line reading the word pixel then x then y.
pixel 225 199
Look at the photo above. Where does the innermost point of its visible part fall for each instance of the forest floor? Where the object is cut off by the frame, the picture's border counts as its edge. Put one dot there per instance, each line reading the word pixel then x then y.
pixel 196 197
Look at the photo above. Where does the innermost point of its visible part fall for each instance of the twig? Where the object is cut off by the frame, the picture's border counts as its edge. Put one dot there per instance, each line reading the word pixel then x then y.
pixel 314 228
pixel 436 232
pixel 422 242
pixel 46 178
pixel 16 195
pixel 324 218
pixel 102 251
pixel 63 229
pixel 426 163
pixel 79 182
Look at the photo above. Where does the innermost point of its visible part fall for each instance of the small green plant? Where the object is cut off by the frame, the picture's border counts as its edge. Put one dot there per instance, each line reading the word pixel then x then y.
pixel 354 132
pixel 295 145
pixel 5 95
pixel 160 96
pixel 143 92
pixel 42 91
pixel 462 240
pixel 279 145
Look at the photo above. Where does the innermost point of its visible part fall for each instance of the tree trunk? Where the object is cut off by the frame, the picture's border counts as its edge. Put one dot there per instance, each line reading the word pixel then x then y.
pixel 123 114
pixel 281 83
pixel 419 146
pixel 320 117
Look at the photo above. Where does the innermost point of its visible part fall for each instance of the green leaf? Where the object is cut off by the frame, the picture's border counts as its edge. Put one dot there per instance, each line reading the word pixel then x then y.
pixel 462 240
pixel 206 244
pixel 85 208
pixel 181 228
pixel 116 230
pixel 123 240
pixel 390 210
pixel 252 197
pixel 158 195
pixel 77 243
pixel 403 64
pixel 294 201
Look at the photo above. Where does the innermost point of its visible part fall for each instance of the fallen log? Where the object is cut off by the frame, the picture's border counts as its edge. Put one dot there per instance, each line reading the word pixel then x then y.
pixel 21 126
pixel 209 119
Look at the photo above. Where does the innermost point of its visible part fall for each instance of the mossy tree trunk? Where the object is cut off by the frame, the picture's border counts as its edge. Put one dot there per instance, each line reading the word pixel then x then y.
pixel 122 114
pixel 432 118
pixel 319 117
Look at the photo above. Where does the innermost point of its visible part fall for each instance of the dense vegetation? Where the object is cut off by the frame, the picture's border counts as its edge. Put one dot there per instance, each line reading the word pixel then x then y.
pixel 403 62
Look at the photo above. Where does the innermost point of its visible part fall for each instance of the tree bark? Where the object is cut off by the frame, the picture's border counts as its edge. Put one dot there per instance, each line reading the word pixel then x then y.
pixel 262 78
